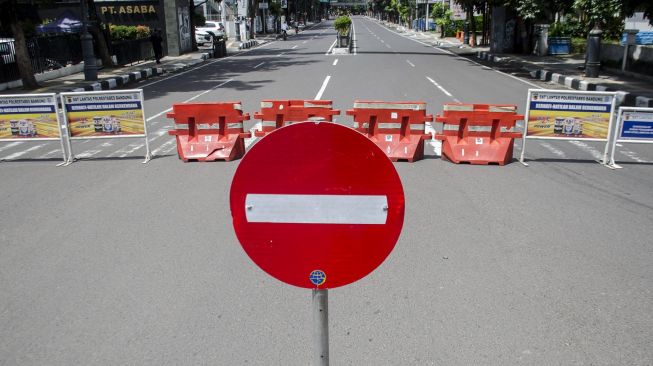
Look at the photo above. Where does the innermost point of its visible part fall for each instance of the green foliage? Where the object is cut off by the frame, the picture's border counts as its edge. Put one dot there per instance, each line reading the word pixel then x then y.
pixel 606 14
pixel 342 25
pixel 274 8
pixel 128 32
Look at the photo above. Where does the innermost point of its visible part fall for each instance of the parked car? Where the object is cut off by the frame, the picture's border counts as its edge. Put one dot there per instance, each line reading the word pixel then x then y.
pixel 203 37
pixel 216 29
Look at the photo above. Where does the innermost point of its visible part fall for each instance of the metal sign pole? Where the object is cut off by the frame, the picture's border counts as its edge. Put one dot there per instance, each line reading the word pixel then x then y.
pixel 321 327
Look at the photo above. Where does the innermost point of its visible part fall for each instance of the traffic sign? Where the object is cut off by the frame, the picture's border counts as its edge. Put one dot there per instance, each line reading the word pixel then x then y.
pixel 317 205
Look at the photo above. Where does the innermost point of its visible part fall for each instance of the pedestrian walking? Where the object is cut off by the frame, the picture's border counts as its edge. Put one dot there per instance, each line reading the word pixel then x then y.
pixel 156 40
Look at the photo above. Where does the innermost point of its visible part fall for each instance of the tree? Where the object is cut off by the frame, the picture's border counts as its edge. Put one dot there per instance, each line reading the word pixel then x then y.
pixel 16 15
pixel 443 17
pixel 632 6
pixel 98 35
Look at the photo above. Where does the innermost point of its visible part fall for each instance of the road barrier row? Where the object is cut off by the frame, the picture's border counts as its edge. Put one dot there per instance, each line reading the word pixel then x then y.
pixel 470 133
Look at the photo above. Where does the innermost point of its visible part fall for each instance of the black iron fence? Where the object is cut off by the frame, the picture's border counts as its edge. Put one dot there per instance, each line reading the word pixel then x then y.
pixel 132 51
pixel 45 53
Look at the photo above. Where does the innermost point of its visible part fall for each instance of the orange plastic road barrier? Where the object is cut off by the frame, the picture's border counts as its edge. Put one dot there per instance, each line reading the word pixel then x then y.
pixel 209 131
pixel 278 113
pixel 398 128
pixel 478 133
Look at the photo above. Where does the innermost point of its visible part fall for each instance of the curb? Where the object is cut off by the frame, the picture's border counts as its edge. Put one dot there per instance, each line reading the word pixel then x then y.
pixel 623 98
pixel 123 80
pixel 248 44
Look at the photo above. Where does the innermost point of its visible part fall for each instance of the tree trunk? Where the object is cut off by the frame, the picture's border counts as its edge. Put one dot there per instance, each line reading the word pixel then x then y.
pixel 251 13
pixel 191 12
pixel 98 35
pixel 472 25
pixel 22 55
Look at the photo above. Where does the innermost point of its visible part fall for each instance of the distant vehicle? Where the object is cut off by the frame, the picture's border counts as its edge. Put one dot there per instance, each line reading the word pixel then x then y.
pixel 203 37
pixel 216 29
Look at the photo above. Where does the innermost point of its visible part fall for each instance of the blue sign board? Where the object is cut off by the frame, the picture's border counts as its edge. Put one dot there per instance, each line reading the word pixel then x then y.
pixel 636 125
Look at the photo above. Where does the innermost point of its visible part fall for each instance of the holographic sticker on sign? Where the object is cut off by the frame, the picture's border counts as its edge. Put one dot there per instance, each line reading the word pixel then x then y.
pixel 317 277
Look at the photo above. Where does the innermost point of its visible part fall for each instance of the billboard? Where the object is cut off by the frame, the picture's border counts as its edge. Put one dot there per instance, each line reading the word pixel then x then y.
pixel 104 114
pixel 572 115
pixel 634 125
pixel 29 117
pixel 569 115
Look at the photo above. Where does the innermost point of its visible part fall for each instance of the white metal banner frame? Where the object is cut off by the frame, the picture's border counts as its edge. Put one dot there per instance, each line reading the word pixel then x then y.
pixel 642 115
pixel 55 110
pixel 607 140
pixel 71 157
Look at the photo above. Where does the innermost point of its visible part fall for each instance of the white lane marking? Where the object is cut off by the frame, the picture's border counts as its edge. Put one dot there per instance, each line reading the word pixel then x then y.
pixel 293 47
pixel 47 155
pixel 330 48
pixel 382 41
pixel 189 99
pixel 460 57
pixel 165 145
pixel 10 145
pixel 158 114
pixel 107 144
pixel 353 38
pixel 324 85
pixel 316 209
pixel 304 42
pixel 281 54
pixel 206 91
pixel 388 46
pixel 21 153
pixel 410 63
pixel 209 63
pixel 251 140
pixel 633 155
pixel 259 65
pixel 583 146
pixel 158 134
pixel 552 149
pixel 87 154
pixel 135 147
pixel 439 87
pixel 335 62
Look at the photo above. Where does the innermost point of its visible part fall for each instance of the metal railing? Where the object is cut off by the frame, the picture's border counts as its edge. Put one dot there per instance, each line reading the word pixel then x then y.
pixel 132 51
pixel 46 53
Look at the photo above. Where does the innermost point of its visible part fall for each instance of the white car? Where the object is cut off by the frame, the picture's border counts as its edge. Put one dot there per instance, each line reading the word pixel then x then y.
pixel 214 28
pixel 203 37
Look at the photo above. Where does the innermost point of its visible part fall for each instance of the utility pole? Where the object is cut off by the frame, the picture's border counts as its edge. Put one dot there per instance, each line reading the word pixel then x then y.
pixel 90 66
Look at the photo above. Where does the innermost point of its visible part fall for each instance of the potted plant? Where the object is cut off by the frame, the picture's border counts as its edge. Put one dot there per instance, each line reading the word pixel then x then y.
pixel 342 25
pixel 559 41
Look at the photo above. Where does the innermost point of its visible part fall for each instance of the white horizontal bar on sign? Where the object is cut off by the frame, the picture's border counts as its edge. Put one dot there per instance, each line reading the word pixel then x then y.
pixel 382 105
pixel 502 108
pixel 316 209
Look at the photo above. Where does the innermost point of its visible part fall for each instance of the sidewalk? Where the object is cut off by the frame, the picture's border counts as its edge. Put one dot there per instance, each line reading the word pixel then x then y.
pixel 633 89
pixel 121 76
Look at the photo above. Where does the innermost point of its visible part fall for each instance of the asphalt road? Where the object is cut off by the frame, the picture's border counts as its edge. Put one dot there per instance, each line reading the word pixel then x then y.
pixel 113 262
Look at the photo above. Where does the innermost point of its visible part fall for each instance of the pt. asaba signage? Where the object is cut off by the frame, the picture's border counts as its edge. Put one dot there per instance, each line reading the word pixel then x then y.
pixel 140 12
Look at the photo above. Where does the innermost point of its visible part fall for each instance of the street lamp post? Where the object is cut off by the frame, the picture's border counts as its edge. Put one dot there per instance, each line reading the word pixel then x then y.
pixel 90 66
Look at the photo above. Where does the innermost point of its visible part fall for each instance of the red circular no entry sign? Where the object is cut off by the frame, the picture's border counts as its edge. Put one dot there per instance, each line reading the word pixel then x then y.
pixel 317 205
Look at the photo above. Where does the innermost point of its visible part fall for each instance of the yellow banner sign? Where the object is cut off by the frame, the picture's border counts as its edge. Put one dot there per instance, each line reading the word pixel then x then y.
pixel 110 114
pixel 28 117
pixel 569 115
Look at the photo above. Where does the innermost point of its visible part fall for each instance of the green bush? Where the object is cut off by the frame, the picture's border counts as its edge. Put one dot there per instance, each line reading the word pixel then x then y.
pixel 128 32
pixel 342 25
